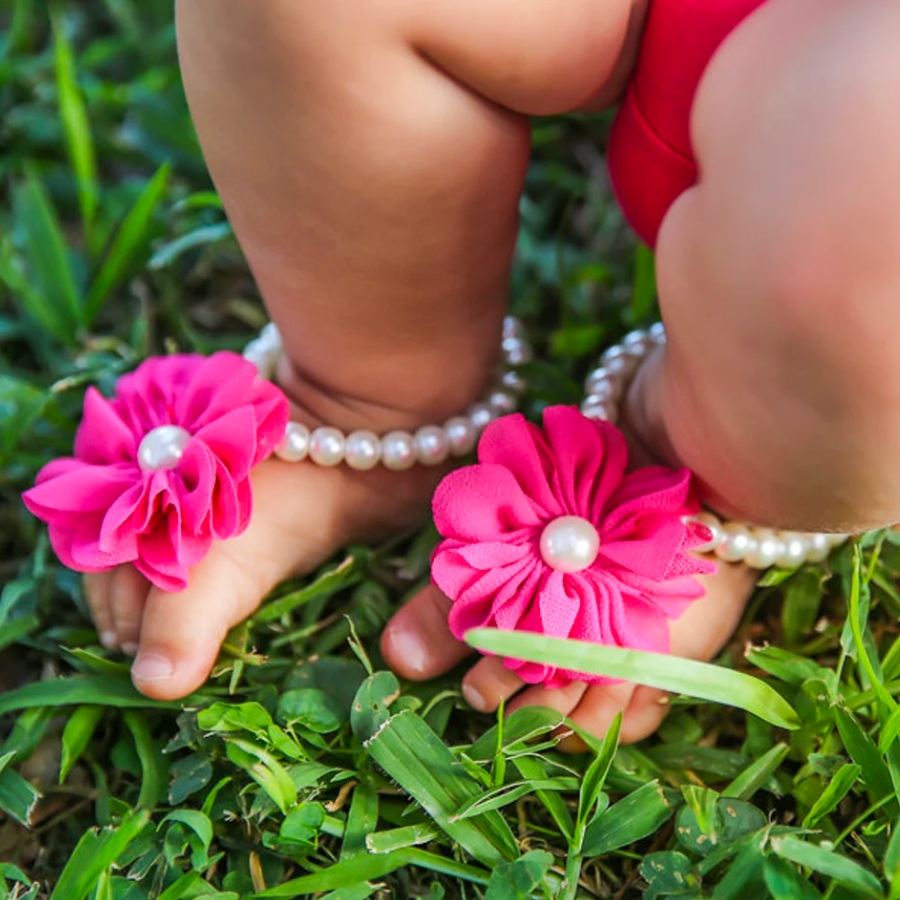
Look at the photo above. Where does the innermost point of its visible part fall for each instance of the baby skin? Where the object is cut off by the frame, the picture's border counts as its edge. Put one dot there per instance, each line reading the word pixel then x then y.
pixel 371 157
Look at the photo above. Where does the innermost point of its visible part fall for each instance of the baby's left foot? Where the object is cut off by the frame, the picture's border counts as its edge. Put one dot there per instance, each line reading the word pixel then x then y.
pixel 418 645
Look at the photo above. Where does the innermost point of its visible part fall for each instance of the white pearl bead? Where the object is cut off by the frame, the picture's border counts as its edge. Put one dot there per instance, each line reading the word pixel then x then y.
pixel 657 333
pixel 461 434
pixel 516 351
pixel 481 415
pixel 398 451
pixel 819 547
pixel 513 381
pixel 513 328
pixel 768 548
pixel 837 539
pixel 294 446
pixel 796 546
pixel 363 451
pixel 637 343
pixel 327 446
pixel 262 356
pixel 714 524
pixel 603 383
pixel 570 544
pixel 596 408
pixel 737 542
pixel 270 336
pixel 432 446
pixel 162 448
pixel 502 402
pixel 619 366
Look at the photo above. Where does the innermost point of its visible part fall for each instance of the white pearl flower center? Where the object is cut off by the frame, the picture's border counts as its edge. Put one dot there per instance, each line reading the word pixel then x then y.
pixel 162 448
pixel 570 544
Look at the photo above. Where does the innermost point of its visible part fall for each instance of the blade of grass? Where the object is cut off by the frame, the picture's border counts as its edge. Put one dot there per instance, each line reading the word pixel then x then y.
pixel 54 299
pixel 419 761
pixel 77 735
pixel 828 863
pixel 369 868
pixel 129 247
pixel 835 791
pixel 94 854
pixel 153 766
pixel 76 127
pixel 669 673
pixel 362 820
pixel 634 817
pixel 757 773
pixel 98 690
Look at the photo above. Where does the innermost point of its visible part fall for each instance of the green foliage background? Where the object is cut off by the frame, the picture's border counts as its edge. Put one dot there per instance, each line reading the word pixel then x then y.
pixel 302 768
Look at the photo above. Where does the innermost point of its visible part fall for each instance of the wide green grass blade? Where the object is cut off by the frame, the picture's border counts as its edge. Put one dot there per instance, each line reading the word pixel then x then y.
pixel 362 820
pixel 419 761
pixel 835 791
pixel 153 766
pixel 53 298
pixel 401 838
pixel 77 735
pixel 18 797
pixel 828 863
pixel 99 690
pixel 631 819
pixel 342 576
pixel 669 673
pixel 757 774
pixel 130 247
pixel 76 126
pixel 94 854
pixel 369 868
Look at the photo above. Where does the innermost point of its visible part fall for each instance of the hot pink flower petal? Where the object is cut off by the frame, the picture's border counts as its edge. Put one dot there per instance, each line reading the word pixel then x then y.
pixel 492 516
pixel 516 445
pixel 103 509
pixel 104 437
pixel 482 503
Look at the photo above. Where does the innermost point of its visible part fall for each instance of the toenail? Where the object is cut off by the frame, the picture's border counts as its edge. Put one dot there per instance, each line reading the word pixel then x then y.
pixel 408 650
pixel 152 667
pixel 129 648
pixel 474 698
pixel 108 639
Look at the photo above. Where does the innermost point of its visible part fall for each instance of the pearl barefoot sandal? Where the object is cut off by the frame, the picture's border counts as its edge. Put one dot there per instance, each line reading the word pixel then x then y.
pixel 732 542
pixel 431 445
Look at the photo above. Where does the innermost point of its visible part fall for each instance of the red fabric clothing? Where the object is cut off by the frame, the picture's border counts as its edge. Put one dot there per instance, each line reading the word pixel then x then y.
pixel 651 160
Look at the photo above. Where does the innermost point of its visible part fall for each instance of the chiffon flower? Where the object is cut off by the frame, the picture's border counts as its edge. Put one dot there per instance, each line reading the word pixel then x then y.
pixel 161 470
pixel 550 533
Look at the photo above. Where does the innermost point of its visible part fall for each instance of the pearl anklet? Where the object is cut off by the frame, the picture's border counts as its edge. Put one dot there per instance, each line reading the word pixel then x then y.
pixel 732 542
pixel 399 450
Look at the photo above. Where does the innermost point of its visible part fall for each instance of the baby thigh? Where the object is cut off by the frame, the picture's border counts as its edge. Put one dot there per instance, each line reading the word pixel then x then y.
pixel 371 156
pixel 779 272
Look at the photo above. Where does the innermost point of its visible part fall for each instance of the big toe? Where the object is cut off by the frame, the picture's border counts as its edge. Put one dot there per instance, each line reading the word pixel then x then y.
pixel 417 643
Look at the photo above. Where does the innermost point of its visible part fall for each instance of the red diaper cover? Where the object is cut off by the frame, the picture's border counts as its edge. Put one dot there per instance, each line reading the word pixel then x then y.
pixel 651 161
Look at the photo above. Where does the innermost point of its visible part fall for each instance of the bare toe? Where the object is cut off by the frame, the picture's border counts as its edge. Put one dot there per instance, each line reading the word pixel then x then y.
pixel 599 705
pixel 563 699
pixel 97 594
pixel 489 683
pixel 417 643
pixel 128 593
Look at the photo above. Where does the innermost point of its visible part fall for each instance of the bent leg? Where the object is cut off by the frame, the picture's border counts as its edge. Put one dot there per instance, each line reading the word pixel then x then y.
pixel 779 273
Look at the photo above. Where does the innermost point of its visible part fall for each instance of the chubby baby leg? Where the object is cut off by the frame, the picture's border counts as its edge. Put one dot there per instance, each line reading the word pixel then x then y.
pixel 370 157
pixel 778 282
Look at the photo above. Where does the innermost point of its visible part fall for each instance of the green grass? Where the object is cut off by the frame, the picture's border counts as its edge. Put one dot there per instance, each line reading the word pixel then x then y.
pixel 303 768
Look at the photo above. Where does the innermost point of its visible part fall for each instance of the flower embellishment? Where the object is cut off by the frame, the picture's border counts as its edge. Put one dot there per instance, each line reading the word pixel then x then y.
pixel 551 533
pixel 161 470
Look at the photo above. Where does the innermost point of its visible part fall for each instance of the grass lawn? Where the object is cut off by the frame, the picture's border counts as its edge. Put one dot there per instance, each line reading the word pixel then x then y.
pixel 303 768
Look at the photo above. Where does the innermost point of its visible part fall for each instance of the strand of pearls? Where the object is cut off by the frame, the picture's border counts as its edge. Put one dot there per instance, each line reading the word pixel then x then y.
pixel 732 542
pixel 399 450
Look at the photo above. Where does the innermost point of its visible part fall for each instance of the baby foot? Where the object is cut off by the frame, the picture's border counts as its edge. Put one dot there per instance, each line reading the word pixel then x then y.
pixel 302 514
pixel 418 645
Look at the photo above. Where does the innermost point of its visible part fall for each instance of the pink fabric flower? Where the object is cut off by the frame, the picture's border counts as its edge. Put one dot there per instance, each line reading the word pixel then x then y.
pixel 493 515
pixel 104 508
